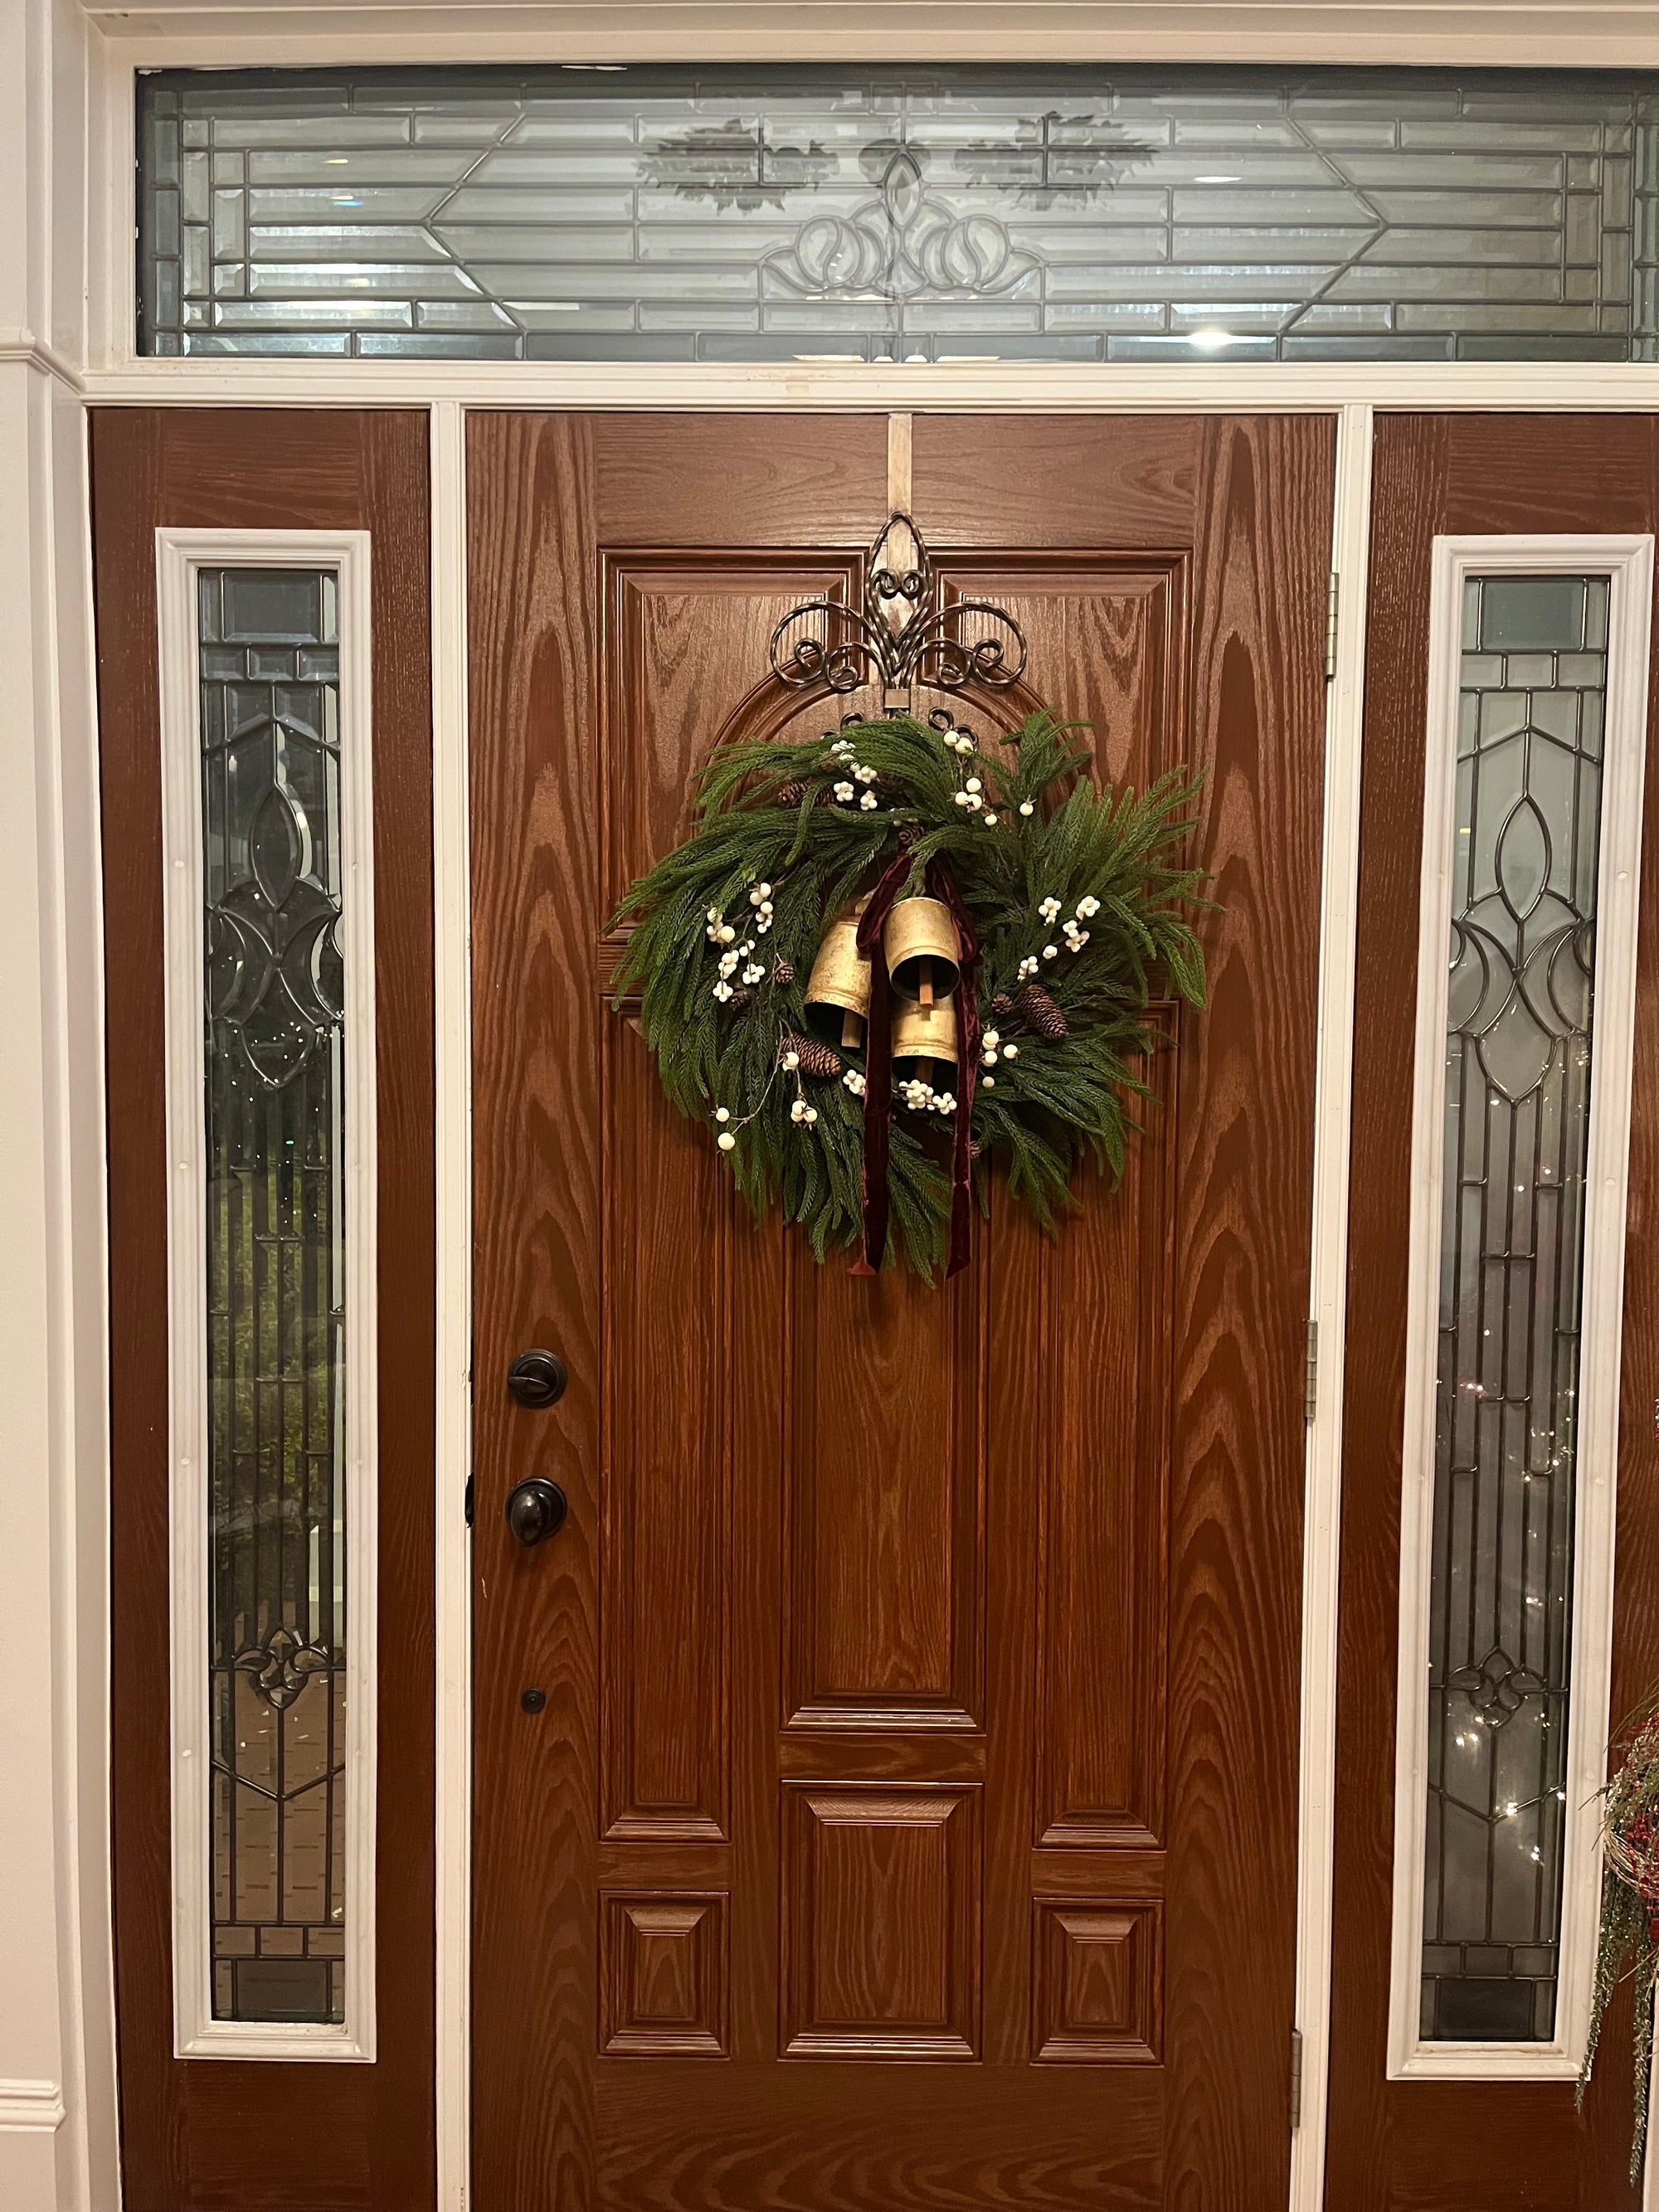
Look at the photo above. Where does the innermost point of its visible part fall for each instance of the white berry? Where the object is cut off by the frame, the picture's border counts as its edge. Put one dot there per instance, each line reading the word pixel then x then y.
pixel 974 783
pixel 722 1113
pixel 791 1062
pixel 868 801
pixel 726 1141
pixel 1049 950
pixel 727 933
pixel 1026 807
pixel 1011 1052
pixel 989 1081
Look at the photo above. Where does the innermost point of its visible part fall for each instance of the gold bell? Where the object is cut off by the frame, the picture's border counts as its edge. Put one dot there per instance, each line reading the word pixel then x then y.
pixel 838 988
pixel 920 942
pixel 927 1034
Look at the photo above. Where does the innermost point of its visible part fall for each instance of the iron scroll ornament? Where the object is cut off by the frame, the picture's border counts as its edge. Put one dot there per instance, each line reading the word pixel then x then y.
pixel 904 632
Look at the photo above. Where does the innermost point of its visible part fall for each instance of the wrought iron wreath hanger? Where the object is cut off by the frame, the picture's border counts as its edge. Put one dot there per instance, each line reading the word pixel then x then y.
pixel 904 634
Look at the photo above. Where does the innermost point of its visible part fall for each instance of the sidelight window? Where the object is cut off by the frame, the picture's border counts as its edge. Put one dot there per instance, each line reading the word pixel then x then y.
pixel 1531 839
pixel 266 782
pixel 729 214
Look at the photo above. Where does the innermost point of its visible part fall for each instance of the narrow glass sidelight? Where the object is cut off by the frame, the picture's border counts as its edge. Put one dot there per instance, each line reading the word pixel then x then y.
pixel 1518 1070
pixel 270 1110
pixel 1531 843
pixel 276 1372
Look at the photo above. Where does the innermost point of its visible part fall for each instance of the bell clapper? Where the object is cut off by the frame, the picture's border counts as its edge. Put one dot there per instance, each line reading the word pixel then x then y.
pixel 925 981
pixel 850 1028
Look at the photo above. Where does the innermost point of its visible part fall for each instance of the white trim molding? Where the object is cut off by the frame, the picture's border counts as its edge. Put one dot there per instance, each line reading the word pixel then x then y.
pixel 1328 1298
pixel 1628 563
pixel 453 1077
pixel 30 2107
pixel 1166 387
pixel 180 555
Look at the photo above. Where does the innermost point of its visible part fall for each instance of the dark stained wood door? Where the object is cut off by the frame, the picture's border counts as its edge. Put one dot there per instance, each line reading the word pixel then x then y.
pixel 1416 2146
pixel 911 1820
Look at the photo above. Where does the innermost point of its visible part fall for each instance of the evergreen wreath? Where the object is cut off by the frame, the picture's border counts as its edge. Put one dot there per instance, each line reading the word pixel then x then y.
pixel 1074 897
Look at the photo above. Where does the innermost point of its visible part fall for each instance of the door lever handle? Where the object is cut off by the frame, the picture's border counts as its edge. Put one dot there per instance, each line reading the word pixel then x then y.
pixel 536 1510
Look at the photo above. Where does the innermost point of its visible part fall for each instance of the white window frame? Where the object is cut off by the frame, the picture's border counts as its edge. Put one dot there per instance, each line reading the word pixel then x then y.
pixel 180 555
pixel 1627 561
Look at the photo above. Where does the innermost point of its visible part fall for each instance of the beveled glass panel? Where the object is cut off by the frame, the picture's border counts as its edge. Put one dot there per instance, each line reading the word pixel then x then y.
pixel 268 654
pixel 742 214
pixel 1518 1067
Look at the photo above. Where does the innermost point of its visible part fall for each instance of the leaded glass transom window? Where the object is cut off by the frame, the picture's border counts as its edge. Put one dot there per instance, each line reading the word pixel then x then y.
pixel 741 214
pixel 277 1534
pixel 1531 713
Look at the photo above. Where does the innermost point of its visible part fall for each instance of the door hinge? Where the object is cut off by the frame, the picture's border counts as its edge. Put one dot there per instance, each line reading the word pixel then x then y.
pixel 1330 627
pixel 1310 1376
pixel 1296 2079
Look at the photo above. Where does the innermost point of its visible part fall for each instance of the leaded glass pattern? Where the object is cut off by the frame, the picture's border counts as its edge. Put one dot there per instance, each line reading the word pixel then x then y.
pixel 1078 214
pixel 1533 691
pixel 269 652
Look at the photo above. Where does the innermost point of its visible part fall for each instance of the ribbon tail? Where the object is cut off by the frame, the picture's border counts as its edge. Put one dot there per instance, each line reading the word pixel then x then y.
pixel 968 1033
pixel 877 1071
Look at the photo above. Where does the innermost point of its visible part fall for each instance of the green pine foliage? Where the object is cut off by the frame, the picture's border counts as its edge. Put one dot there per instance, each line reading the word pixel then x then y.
pixel 1034 827
pixel 1627 1941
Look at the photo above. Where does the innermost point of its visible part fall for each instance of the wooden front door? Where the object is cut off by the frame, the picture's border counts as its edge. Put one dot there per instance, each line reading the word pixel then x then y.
pixel 885 1784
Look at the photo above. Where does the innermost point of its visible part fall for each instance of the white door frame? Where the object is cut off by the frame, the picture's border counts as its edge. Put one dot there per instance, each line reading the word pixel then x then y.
pixel 66 319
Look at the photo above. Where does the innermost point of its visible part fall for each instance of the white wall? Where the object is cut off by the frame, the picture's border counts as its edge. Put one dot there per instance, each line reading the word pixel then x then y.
pixel 56 2116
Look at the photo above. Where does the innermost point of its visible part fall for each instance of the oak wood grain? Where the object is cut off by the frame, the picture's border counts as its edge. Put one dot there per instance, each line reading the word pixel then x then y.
pixel 1408 2146
pixel 268 2137
pixel 823 1528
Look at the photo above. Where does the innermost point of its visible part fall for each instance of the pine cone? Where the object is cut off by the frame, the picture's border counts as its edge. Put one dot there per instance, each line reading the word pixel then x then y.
pixel 789 794
pixel 910 833
pixel 782 972
pixel 816 1059
pixel 741 995
pixel 1041 1012
pixel 1003 1004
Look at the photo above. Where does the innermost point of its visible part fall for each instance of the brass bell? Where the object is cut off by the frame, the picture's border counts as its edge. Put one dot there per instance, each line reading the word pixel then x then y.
pixel 924 1034
pixel 838 988
pixel 920 944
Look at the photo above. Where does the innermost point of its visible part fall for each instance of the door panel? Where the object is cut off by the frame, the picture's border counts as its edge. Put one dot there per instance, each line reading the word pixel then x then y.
pixel 911 1820
pixel 202 2135
pixel 1428 2143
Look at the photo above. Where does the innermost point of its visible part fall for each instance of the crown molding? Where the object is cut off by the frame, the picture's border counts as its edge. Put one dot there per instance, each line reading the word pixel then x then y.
pixel 1476 32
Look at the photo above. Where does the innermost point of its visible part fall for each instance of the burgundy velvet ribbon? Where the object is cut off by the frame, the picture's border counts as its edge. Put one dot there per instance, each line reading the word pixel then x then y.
pixel 878 1065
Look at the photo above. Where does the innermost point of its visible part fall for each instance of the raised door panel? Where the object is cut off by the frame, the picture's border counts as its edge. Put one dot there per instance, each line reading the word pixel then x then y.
pixel 668 1421
pixel 1106 638
pixel 881 1922
pixel 883 1489
pixel 1097 1979
pixel 685 649
pixel 1102 1487
pixel 686 661
pixel 662 1976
